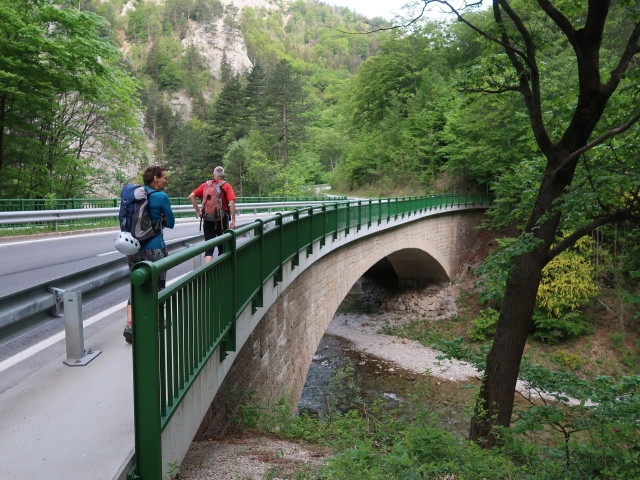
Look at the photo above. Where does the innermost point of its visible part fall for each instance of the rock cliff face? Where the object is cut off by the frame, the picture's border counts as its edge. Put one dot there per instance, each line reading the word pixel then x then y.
pixel 221 38
pixel 215 42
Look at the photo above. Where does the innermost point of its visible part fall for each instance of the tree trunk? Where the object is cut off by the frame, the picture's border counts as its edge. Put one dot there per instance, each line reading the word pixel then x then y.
pixel 494 405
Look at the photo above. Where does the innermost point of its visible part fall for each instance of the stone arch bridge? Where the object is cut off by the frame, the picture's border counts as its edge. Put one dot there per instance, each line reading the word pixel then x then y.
pixel 273 343
pixel 276 355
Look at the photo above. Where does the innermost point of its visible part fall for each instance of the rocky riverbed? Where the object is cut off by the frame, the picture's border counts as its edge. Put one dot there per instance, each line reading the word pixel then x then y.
pixel 250 457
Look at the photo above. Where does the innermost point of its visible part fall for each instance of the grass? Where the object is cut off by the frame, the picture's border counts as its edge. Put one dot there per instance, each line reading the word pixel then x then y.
pixel 56 228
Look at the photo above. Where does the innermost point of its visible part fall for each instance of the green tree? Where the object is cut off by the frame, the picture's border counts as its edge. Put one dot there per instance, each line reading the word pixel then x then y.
pixel 189 157
pixel 64 98
pixel 598 102
pixel 285 102
pixel 228 114
pixel 254 98
pixel 249 169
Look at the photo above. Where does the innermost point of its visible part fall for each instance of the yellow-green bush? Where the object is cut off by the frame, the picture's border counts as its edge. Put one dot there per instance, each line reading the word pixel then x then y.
pixel 568 281
pixel 567 360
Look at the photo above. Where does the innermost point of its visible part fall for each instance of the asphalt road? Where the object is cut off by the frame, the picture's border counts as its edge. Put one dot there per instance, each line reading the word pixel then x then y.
pixel 29 262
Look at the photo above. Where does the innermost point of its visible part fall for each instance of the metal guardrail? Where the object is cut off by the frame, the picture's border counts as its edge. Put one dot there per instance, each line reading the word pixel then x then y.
pixel 71 214
pixel 26 204
pixel 177 330
pixel 40 301
pixel 37 302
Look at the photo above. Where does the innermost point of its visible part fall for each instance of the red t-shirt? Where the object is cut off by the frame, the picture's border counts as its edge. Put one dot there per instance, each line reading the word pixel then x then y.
pixel 229 194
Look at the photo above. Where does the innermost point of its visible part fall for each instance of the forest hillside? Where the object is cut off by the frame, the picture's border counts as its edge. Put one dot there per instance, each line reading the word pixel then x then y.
pixel 535 103
pixel 287 93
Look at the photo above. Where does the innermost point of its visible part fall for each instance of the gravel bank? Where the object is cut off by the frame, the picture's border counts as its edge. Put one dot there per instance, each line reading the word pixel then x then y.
pixel 251 457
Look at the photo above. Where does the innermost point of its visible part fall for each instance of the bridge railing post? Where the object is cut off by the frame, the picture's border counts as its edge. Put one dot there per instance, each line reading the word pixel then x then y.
pixel 277 278
pixel 310 239
pixel 146 372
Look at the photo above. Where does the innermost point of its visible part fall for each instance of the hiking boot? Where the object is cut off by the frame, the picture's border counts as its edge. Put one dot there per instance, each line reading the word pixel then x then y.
pixel 128 334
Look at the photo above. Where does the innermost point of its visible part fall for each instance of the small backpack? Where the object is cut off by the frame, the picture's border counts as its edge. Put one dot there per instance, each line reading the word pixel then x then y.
pixel 212 201
pixel 134 213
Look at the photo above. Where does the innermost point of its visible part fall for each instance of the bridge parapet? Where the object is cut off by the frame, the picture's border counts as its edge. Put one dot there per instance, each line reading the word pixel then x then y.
pixel 266 303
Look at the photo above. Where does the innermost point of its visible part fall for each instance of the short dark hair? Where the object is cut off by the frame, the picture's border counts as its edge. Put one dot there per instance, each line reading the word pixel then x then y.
pixel 151 172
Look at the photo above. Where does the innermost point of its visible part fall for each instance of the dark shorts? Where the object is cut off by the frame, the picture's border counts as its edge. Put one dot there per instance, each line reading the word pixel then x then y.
pixel 152 255
pixel 212 230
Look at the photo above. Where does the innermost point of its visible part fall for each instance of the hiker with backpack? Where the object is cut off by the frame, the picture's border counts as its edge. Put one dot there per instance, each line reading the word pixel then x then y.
pixel 218 210
pixel 141 226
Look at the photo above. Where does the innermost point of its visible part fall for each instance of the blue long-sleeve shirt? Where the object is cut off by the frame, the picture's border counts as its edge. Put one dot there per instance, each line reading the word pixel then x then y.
pixel 159 207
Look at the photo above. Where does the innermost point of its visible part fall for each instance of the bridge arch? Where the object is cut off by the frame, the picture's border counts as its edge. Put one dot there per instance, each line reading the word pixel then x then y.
pixel 276 356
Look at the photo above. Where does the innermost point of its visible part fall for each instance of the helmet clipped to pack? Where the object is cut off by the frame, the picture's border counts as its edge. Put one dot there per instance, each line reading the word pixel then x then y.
pixel 126 244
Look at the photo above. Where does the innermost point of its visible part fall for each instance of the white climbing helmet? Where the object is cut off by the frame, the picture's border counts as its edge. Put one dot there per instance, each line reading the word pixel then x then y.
pixel 126 244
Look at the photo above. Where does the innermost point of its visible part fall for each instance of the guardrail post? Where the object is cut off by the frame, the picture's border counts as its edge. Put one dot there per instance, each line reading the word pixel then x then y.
pixel 310 246
pixel 197 260
pixel 77 356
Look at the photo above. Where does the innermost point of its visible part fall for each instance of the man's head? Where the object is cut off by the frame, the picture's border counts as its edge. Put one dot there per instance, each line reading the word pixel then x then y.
pixel 218 172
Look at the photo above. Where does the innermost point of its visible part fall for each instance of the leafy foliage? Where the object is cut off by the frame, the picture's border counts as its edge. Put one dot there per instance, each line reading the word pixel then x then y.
pixel 568 280
pixel 591 436
pixel 65 101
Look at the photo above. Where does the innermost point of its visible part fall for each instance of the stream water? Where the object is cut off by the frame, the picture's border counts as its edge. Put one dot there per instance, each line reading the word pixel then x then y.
pixel 377 380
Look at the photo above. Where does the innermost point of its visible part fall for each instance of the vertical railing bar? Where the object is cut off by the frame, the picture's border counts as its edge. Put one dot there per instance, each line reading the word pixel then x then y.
pixel 146 383
pixel 192 339
pixel 162 359
pixel 184 335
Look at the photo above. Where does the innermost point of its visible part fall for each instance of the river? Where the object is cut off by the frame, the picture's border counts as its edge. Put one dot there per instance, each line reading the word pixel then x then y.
pixel 375 379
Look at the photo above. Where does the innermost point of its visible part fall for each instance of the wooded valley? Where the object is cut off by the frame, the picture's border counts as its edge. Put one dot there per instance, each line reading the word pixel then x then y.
pixel 537 103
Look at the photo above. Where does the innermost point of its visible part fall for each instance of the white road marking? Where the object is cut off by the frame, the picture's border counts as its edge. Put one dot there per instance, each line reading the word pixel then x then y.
pixel 49 239
pixel 38 347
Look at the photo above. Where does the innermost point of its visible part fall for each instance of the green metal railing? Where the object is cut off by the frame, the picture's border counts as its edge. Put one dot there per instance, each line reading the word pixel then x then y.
pixel 177 330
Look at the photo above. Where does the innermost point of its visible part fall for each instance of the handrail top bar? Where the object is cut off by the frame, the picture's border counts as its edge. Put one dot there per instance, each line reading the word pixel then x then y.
pixel 171 261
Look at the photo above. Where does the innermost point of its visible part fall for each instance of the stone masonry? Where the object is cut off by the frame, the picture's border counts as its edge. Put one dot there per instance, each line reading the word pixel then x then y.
pixel 274 361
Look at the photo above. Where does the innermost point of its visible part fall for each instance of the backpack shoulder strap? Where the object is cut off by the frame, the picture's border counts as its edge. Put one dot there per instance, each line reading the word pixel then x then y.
pixel 223 194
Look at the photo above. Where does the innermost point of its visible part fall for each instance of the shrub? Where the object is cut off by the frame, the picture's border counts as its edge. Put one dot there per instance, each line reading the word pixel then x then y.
pixel 551 329
pixel 484 325
pixel 567 360
pixel 568 280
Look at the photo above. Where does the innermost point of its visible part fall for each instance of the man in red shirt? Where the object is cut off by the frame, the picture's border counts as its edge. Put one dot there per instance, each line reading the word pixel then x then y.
pixel 214 194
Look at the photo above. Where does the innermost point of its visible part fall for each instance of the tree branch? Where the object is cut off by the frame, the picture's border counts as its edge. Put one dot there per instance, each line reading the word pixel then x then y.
pixel 631 49
pixel 529 81
pixel 560 20
pixel 569 241
pixel 611 133
pixel 507 46
pixel 487 90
